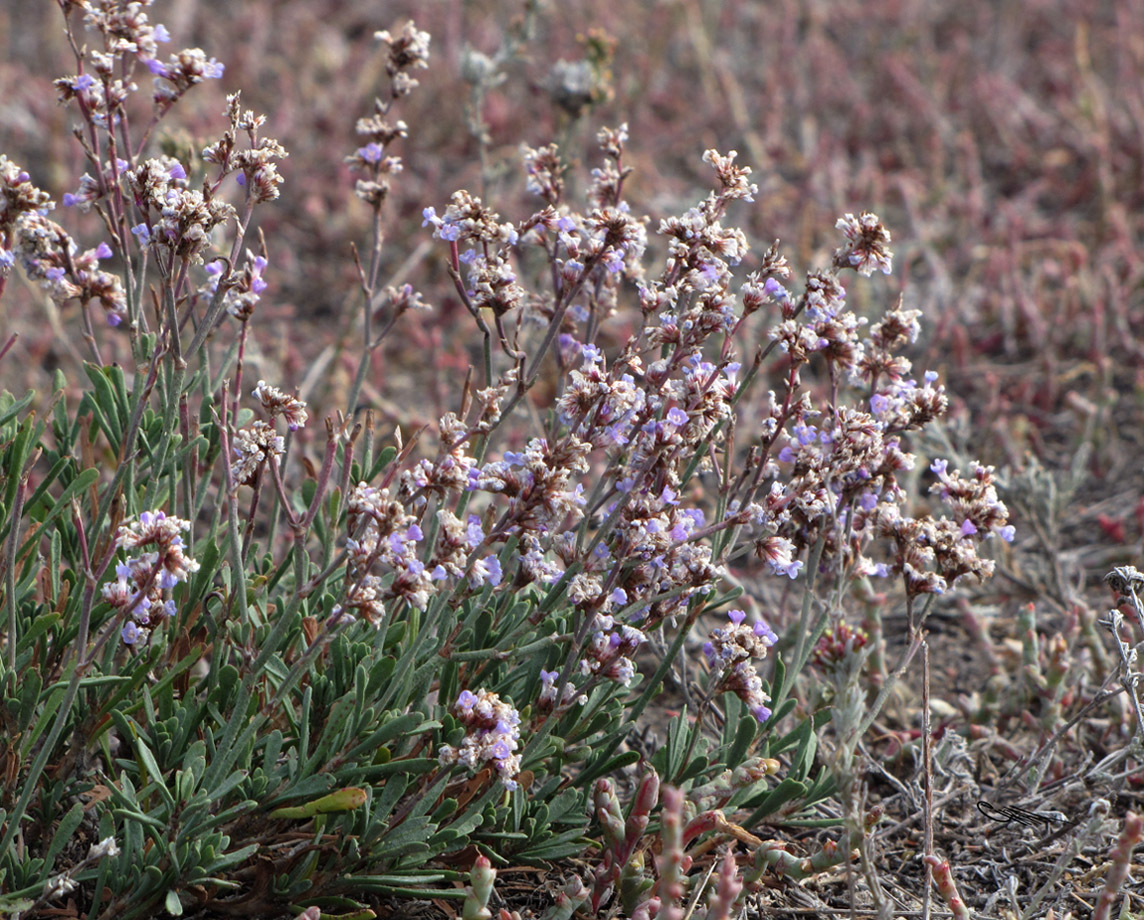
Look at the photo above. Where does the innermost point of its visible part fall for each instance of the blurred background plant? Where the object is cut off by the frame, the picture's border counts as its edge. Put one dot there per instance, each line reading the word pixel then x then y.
pixel 237 686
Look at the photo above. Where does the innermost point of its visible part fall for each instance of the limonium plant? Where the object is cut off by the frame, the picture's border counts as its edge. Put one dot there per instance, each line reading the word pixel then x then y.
pixel 244 671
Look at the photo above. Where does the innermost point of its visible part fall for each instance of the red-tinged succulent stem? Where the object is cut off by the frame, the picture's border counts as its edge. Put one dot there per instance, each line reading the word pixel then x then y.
pixel 1130 836
pixel 947 888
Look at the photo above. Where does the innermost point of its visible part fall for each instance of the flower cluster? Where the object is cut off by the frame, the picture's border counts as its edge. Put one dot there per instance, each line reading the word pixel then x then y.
pixel 377 132
pixel 18 197
pixel 176 218
pixel 546 699
pixel 407 51
pixel 244 288
pixel 466 219
pixel 129 38
pixel 254 446
pixel 259 442
pixel 125 27
pixel 50 256
pixel 275 403
pixel 838 644
pixel 493 285
pixel 183 70
pixel 974 502
pixel 46 251
pixel 102 96
pixel 537 483
pixel 730 652
pixel 867 245
pixel 492 736
pixel 606 492
pixel 142 585
pixel 610 653
pixel 255 164
pixel 932 554
pixel 383 533
pixel 545 172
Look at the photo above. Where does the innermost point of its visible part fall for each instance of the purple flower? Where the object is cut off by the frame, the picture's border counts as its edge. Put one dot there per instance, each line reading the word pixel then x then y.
pixel 1007 533
pixel 762 713
pixel 130 633
pixel 257 285
pixel 467 700
pixel 764 631
pixel 736 616
pixel 103 251
pixel 157 67
pixel 805 434
pixel 487 571
pixel 160 33
pixel 474 533
pixel 371 152
pixel 82 82
pixel 775 289
pixel 968 528
pixel 790 570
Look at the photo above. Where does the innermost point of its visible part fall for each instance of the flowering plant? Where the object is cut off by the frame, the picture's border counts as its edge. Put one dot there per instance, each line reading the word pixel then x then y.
pixel 434 649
